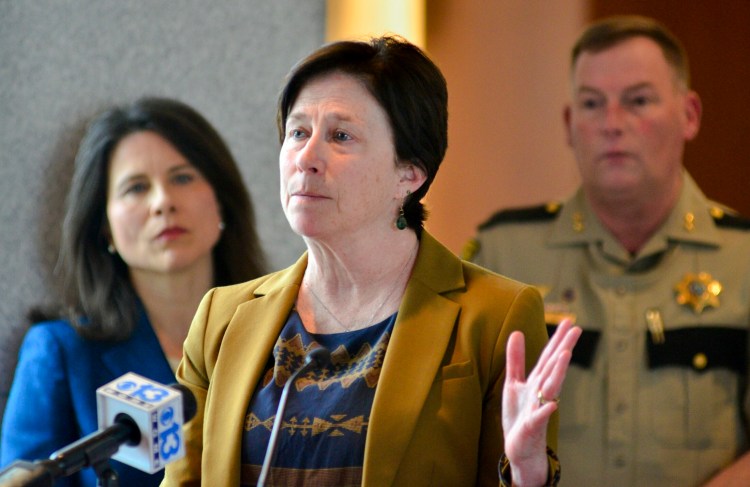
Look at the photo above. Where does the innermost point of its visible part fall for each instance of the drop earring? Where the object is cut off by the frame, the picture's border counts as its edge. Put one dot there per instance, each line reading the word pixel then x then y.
pixel 111 249
pixel 222 226
pixel 401 222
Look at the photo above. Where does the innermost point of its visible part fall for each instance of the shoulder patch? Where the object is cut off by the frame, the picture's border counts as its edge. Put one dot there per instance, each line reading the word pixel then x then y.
pixel 544 212
pixel 729 220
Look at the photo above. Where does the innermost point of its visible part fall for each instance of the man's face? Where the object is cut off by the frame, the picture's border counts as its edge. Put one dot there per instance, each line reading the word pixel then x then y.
pixel 629 120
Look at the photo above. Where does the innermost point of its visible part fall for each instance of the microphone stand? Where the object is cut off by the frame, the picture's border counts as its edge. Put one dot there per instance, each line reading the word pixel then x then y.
pixel 316 358
pixel 106 475
pixel 94 450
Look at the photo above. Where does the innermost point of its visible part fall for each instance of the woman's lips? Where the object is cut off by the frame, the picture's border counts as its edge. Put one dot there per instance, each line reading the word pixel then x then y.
pixel 171 233
pixel 308 195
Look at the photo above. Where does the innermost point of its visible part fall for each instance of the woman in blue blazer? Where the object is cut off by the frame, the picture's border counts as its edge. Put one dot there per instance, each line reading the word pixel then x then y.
pixel 157 214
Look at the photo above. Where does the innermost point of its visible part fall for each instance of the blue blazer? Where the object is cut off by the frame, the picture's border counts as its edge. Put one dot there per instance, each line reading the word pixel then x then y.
pixel 52 401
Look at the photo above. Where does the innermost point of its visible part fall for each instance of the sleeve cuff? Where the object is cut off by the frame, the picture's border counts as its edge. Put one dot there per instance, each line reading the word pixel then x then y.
pixel 553 474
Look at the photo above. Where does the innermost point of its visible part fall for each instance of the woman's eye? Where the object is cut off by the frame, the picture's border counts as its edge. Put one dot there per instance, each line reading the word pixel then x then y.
pixel 135 188
pixel 296 133
pixel 341 136
pixel 183 178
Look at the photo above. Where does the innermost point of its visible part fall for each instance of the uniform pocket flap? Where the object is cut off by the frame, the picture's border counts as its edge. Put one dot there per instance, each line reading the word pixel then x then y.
pixel 700 348
pixel 585 349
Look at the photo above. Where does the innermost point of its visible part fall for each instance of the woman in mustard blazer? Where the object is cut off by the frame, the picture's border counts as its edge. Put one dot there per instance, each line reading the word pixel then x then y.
pixel 417 390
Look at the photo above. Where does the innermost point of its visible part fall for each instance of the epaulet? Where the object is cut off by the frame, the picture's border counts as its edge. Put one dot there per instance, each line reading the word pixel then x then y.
pixel 726 219
pixel 547 211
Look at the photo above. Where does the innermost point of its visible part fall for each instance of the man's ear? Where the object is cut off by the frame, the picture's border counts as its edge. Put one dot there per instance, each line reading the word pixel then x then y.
pixel 567 121
pixel 693 113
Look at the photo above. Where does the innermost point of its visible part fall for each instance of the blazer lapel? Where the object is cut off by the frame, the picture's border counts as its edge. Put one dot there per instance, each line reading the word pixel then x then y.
pixel 141 354
pixel 414 357
pixel 245 348
pixel 421 334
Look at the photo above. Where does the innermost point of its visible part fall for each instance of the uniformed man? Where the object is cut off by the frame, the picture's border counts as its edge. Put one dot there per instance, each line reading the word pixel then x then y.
pixel 656 275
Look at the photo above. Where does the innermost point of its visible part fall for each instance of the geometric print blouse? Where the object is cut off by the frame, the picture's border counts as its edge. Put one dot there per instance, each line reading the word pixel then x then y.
pixel 321 442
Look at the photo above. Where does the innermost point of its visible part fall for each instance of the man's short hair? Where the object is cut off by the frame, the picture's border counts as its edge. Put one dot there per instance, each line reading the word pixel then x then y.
pixel 610 31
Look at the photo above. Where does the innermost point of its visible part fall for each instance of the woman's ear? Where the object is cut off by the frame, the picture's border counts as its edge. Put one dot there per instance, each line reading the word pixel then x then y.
pixel 411 178
pixel 107 233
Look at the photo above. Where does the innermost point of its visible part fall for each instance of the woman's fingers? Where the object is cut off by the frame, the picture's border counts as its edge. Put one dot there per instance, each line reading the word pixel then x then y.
pixel 551 380
pixel 544 383
pixel 563 340
pixel 516 358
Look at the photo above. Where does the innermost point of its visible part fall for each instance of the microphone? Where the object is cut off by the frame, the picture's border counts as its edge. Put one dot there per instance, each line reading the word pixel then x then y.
pixel 316 358
pixel 142 416
pixel 152 415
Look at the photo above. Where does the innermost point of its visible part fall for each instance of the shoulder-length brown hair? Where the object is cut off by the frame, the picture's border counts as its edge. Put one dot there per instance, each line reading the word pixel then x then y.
pixel 97 282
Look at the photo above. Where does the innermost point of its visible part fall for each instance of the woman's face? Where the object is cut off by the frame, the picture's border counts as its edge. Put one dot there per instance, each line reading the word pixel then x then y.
pixel 163 215
pixel 338 162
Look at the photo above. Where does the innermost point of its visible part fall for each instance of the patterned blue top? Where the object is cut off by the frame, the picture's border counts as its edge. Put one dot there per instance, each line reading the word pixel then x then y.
pixel 322 438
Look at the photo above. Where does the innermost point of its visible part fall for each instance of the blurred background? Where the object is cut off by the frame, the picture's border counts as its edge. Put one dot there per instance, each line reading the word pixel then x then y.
pixel 506 63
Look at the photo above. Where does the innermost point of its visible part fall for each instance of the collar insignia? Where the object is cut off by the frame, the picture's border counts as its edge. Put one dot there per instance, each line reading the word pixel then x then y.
pixel 578 224
pixel 698 291
pixel 689 222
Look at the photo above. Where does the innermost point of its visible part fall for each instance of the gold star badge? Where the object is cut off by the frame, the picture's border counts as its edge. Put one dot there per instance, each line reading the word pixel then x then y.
pixel 698 291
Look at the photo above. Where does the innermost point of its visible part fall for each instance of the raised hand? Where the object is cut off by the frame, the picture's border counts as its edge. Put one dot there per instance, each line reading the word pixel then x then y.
pixel 528 402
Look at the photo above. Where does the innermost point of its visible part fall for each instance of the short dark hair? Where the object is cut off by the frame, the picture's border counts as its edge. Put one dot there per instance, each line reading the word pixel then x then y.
pixel 408 86
pixel 610 31
pixel 97 282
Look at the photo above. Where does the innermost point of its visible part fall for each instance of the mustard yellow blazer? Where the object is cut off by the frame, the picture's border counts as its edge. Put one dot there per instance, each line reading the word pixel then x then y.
pixel 436 415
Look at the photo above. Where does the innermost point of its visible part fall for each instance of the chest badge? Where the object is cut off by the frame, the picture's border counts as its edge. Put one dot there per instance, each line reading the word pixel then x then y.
pixel 698 291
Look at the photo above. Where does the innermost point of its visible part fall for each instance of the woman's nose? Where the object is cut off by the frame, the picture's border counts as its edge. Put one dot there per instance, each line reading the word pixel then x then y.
pixel 162 200
pixel 311 157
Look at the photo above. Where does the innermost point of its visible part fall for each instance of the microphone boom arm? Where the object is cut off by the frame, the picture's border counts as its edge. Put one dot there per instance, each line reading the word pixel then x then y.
pixel 314 359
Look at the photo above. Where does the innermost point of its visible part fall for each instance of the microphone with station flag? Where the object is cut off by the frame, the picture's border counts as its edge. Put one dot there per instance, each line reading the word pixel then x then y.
pixel 143 417
pixel 316 358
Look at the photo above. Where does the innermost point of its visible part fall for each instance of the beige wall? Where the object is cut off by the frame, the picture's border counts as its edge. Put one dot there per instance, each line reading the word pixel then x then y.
pixel 362 19
pixel 506 66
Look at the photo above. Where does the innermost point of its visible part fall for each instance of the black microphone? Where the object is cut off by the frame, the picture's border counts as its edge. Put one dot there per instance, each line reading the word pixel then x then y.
pixel 141 413
pixel 316 358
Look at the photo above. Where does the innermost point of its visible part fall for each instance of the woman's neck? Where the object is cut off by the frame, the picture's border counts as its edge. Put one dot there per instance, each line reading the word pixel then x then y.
pixel 171 300
pixel 351 287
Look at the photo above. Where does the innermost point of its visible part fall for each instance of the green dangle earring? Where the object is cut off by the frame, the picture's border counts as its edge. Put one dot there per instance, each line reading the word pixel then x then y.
pixel 401 222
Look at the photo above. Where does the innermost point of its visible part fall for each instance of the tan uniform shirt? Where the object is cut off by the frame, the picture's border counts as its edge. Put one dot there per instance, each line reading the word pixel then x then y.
pixel 653 396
